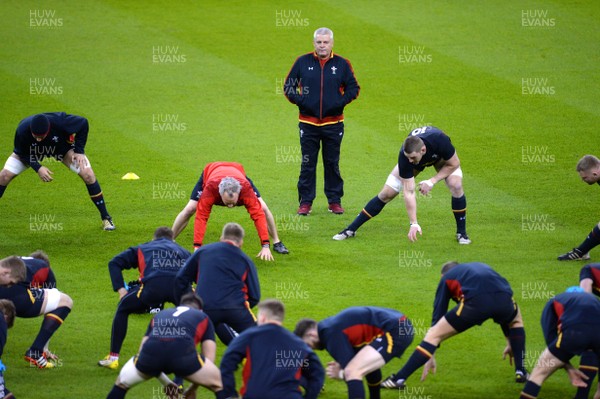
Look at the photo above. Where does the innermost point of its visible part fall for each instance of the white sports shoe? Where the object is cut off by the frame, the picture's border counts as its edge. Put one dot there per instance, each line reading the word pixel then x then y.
pixel 108 225
pixel 463 239
pixel 342 235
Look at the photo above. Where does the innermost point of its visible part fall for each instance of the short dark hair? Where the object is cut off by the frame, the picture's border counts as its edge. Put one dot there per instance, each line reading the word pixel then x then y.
pixel 413 144
pixel 274 309
pixel 163 232
pixel 233 232
pixel 18 270
pixel 192 300
pixel 303 326
pixel 8 309
pixel 446 267
pixel 587 162
pixel 39 254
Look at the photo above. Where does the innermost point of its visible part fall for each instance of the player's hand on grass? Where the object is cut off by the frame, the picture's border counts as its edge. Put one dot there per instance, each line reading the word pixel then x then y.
pixel 412 232
pixel 429 367
pixel 576 376
pixel 333 371
pixel 45 174
pixel 265 254
pixel 508 352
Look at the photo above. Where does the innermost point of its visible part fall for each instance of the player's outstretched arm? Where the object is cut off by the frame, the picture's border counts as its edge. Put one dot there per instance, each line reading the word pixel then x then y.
pixel 410 201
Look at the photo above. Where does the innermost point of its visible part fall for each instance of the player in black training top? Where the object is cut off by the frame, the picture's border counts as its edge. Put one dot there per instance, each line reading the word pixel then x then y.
pixel 361 340
pixel 169 346
pixel 480 294
pixel 29 302
pixel 226 280
pixel 588 168
pixel 276 361
pixel 158 262
pixel 425 146
pixel 60 136
pixel 571 325
pixel 39 273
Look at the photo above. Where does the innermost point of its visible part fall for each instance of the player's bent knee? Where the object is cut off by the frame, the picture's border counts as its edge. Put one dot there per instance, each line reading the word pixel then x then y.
pixel 130 376
pixel 65 300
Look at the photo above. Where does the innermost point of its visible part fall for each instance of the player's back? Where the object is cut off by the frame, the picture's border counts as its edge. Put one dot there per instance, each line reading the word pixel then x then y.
pixel 573 308
pixel 182 325
pixel 161 258
pixel 222 273
pixel 275 358
pixel 360 324
pixel 475 279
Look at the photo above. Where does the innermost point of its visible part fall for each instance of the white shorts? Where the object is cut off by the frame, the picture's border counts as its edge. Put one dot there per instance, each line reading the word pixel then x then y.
pixel 130 376
pixel 14 165
pixel 394 182
pixel 52 299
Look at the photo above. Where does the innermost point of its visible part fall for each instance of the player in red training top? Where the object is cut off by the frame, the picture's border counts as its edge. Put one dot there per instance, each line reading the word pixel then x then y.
pixel 226 184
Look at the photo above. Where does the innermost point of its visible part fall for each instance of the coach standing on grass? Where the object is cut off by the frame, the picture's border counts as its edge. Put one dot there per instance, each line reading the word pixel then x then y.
pixel 321 84
pixel 60 136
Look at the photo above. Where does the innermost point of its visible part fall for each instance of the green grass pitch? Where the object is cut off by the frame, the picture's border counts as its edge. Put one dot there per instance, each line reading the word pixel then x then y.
pixel 170 86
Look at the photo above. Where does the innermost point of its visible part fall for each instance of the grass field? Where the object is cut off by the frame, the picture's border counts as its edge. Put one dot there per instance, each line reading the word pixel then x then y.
pixel 168 87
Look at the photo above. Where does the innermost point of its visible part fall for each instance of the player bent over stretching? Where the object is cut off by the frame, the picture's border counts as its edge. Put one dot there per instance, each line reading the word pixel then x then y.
pixel 33 302
pixel 169 346
pixel 56 135
pixel 425 146
pixel 481 294
pixel 361 340
pixel 570 322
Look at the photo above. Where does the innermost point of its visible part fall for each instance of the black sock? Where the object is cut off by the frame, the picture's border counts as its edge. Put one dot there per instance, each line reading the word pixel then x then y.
pixel 589 366
pixel 373 383
pixel 116 393
pixel 2 188
pixel 592 240
pixel 370 210
pixel 97 198
pixel 356 390
pixel 52 321
pixel 530 391
pixel 459 208
pixel 516 337
pixel 419 357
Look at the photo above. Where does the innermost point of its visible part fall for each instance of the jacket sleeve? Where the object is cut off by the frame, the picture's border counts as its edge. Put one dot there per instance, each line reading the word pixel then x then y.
pixel 125 260
pixel 78 125
pixel 233 356
pixel 257 215
pixel 202 214
pixel 340 349
pixel 315 376
pixel 253 284
pixel 292 84
pixel 549 323
pixel 22 149
pixel 440 303
pixel 186 276
pixel 351 86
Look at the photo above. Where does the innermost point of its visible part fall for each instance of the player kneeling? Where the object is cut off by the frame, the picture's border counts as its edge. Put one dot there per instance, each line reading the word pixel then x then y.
pixel 169 346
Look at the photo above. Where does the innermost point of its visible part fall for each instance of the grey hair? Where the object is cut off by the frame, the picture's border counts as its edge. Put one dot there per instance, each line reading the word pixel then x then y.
pixel 588 162
pixel 323 31
pixel 230 186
